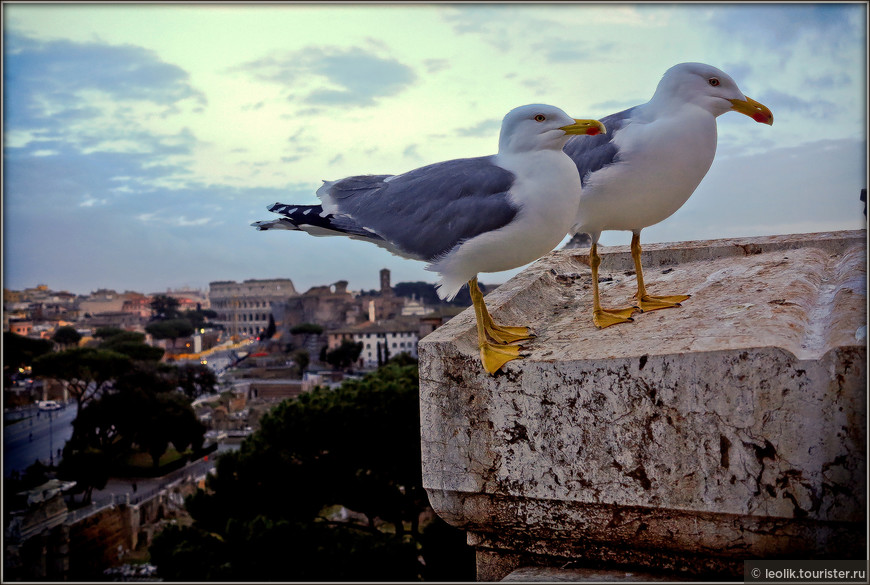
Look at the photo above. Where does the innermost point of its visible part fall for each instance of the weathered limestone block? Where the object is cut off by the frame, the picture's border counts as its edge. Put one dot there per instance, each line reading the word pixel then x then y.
pixel 733 427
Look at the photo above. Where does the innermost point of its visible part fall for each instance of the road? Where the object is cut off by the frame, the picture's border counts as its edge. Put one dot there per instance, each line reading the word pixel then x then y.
pixel 142 488
pixel 38 435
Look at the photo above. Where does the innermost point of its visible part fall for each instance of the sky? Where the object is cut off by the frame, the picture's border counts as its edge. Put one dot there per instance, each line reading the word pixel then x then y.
pixel 141 140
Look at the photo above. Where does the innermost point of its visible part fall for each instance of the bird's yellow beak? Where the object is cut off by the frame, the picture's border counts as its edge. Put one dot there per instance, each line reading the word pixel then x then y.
pixel 758 112
pixel 590 127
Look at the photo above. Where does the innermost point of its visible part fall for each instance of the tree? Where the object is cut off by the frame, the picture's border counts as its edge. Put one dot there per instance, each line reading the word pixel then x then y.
pixel 424 291
pixel 301 358
pixel 66 336
pixel 279 487
pixel 102 436
pixel 344 355
pixel 107 332
pixel 20 352
pixel 164 308
pixel 86 371
pixel 143 412
pixel 170 329
pixel 167 418
pixel 270 329
pixel 195 380
pixel 88 467
pixel 151 414
pixel 199 317
pixel 306 329
pixel 131 344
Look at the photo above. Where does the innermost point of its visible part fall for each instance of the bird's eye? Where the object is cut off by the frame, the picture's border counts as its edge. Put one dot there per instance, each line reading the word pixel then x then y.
pixel 540 118
pixel 714 81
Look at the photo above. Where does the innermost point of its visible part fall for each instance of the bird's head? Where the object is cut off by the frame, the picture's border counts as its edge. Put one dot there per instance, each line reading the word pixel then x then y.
pixel 709 88
pixel 539 126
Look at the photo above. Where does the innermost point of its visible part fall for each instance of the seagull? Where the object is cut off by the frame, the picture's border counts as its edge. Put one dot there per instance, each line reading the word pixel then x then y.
pixel 650 163
pixel 464 216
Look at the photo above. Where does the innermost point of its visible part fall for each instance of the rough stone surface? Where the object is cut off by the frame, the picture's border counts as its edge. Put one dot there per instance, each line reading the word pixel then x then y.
pixel 732 427
pixel 553 575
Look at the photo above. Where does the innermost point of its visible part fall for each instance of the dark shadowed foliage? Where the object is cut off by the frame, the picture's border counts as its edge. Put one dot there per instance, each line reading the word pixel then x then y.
pixel 329 489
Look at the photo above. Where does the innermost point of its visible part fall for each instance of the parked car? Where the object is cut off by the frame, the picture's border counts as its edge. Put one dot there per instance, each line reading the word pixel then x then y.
pixel 48 405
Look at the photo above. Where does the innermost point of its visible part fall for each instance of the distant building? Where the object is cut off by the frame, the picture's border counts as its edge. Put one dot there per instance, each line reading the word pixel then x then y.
pixel 102 301
pixel 432 321
pixel 329 306
pixel 12 296
pixel 243 308
pixel 188 297
pixel 385 338
pixel 385 305
pixel 138 305
pixel 115 320
pixel 40 304
pixel 20 326
pixel 414 307
pixel 277 389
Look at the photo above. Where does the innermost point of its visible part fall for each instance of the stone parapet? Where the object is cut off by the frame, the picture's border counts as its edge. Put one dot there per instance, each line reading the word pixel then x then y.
pixel 731 428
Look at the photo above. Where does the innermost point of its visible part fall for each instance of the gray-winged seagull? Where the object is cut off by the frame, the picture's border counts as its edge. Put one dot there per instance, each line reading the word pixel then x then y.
pixel 650 162
pixel 464 216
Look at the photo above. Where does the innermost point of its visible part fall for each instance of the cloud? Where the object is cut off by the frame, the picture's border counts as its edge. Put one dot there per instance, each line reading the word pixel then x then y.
pixel 71 175
pixel 483 128
pixel 778 100
pixel 829 81
pixel 90 202
pixel 738 71
pixel 54 82
pixel 436 65
pixel 491 23
pixel 177 220
pixel 608 107
pixel 559 50
pixel 827 28
pixel 411 152
pixel 779 192
pixel 333 76
pixel 197 232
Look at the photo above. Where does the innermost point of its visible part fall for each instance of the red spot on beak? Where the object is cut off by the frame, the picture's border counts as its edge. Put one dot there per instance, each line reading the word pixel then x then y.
pixel 593 131
pixel 760 118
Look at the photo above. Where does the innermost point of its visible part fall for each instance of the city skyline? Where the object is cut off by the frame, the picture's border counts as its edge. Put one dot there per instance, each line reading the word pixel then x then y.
pixel 141 140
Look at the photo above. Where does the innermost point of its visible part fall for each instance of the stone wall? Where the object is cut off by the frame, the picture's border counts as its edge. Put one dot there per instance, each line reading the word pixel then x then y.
pixel 85 544
pixel 98 541
pixel 730 428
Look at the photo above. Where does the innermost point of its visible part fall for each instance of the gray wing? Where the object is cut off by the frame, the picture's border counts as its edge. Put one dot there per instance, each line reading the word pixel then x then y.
pixel 427 211
pixel 591 153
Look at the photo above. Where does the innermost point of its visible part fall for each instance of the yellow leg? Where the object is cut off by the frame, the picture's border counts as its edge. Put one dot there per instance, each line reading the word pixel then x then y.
pixel 501 334
pixel 604 317
pixel 492 355
pixel 646 301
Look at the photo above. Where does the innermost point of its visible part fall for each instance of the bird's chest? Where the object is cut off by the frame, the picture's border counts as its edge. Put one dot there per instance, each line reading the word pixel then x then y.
pixel 547 188
pixel 658 170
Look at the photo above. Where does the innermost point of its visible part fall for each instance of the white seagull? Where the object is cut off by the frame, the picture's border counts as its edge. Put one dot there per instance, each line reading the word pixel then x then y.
pixel 650 163
pixel 464 216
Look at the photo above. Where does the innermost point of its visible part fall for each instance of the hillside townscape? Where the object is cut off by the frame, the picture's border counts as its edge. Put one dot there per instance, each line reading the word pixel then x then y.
pixel 120 409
